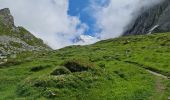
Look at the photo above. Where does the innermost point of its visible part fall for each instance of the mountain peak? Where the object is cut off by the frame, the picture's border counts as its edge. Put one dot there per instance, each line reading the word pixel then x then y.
pixel 5 11
pixel 6 18
pixel 14 39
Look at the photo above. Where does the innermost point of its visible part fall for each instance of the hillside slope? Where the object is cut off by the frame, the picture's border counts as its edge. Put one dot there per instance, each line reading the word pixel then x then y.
pixel 16 39
pixel 153 20
pixel 114 69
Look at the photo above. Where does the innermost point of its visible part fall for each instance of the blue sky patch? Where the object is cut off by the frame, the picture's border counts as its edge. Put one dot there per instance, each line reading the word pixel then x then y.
pixel 80 8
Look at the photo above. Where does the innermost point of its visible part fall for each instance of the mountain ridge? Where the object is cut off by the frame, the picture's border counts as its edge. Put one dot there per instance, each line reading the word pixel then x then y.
pixel 153 20
pixel 16 39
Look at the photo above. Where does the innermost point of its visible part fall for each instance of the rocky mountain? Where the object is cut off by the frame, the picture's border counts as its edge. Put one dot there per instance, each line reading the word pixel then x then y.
pixel 153 20
pixel 16 39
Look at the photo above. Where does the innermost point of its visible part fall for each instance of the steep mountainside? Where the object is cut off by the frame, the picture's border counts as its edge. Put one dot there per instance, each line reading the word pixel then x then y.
pixel 153 20
pixel 16 39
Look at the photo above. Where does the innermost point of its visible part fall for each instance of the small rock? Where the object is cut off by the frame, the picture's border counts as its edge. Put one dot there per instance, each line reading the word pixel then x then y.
pixel 168 98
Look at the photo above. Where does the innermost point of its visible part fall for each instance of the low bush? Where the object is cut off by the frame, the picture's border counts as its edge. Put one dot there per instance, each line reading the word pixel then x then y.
pixel 77 65
pixel 39 68
pixel 120 74
pixel 60 71
pixel 101 65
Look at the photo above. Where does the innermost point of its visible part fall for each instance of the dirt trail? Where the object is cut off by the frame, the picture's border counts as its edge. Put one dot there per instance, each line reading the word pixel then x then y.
pixel 160 86
pixel 158 74
pixel 159 90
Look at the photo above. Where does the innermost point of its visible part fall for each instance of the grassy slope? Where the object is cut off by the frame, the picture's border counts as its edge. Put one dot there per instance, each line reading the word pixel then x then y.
pixel 119 72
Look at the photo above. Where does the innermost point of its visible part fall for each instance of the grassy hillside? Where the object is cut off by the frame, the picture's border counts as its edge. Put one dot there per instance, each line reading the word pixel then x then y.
pixel 115 69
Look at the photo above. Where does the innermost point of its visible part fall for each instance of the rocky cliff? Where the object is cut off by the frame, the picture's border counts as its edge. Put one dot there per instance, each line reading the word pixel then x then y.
pixel 153 20
pixel 16 39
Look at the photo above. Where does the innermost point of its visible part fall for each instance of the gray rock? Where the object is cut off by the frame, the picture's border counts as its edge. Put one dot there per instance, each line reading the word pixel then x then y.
pixel 153 20
pixel 6 18
pixel 19 46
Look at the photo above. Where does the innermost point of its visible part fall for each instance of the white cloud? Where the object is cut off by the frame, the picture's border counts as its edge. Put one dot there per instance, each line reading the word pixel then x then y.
pixel 85 40
pixel 47 19
pixel 117 14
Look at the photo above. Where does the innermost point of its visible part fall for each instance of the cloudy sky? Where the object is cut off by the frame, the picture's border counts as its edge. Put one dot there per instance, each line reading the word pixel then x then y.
pixel 67 22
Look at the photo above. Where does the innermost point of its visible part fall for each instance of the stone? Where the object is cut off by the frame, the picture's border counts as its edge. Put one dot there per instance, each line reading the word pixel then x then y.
pixel 168 98
pixel 6 18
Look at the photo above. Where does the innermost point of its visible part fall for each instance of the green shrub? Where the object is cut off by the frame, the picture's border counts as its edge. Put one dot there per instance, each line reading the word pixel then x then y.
pixel 120 74
pixel 60 71
pixel 78 65
pixel 102 65
pixel 16 44
pixel 165 43
pixel 39 68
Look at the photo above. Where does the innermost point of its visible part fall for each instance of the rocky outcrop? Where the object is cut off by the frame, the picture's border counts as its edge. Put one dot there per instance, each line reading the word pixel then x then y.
pixel 153 20
pixel 14 39
pixel 6 18
pixel 12 45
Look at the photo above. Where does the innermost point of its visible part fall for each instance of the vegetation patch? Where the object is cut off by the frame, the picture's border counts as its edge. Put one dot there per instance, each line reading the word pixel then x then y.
pixel 120 73
pixel 165 43
pixel 54 87
pixel 39 68
pixel 10 62
pixel 78 65
pixel 16 44
pixel 61 71
pixel 166 73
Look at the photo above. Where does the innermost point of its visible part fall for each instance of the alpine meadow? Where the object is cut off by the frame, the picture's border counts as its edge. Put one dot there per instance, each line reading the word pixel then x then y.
pixel 90 62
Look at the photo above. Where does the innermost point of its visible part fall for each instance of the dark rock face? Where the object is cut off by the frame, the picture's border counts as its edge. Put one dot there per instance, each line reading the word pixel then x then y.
pixel 153 20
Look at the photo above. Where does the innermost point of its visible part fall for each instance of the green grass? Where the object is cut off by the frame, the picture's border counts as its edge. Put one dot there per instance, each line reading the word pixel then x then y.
pixel 112 69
